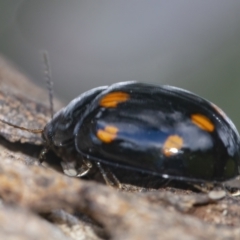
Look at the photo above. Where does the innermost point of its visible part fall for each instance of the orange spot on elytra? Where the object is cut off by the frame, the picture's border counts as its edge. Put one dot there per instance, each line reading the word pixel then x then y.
pixel 108 134
pixel 202 122
pixel 172 145
pixel 113 99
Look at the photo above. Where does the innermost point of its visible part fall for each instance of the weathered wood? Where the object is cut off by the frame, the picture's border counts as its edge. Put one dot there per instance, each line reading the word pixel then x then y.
pixel 81 209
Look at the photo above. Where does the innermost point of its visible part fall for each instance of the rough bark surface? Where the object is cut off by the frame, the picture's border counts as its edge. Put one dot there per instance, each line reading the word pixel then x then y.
pixel 40 203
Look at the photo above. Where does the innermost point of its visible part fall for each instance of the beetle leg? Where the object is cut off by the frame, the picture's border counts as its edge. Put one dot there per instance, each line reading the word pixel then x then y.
pixel 84 169
pixel 42 155
pixel 71 168
pixel 203 187
pixel 115 181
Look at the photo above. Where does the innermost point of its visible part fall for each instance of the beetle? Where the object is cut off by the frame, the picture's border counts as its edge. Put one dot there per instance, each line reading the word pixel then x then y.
pixel 158 130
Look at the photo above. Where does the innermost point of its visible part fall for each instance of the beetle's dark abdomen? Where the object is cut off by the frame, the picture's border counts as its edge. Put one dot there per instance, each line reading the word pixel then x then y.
pixel 160 130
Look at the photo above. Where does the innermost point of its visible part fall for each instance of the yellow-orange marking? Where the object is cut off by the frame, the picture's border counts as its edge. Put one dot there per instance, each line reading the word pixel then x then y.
pixel 172 145
pixel 108 134
pixel 203 122
pixel 113 99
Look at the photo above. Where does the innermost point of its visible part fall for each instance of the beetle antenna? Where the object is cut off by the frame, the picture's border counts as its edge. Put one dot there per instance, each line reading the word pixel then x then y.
pixel 48 77
pixel 49 82
pixel 22 128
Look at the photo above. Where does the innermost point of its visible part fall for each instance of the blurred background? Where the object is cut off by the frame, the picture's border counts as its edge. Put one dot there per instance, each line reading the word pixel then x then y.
pixel 190 44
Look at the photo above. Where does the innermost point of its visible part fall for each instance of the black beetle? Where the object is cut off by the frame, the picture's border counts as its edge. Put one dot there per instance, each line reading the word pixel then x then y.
pixel 158 130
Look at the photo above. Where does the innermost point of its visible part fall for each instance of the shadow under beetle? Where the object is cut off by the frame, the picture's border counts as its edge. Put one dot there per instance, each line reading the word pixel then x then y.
pixel 158 130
